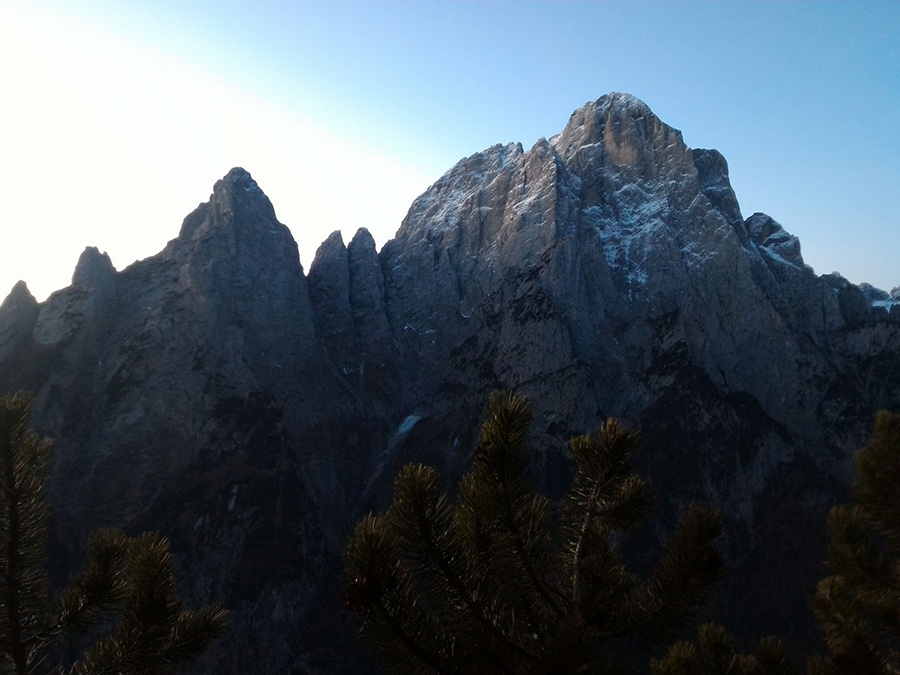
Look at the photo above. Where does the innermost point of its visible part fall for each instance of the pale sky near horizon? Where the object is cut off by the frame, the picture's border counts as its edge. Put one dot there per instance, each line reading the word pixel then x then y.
pixel 117 118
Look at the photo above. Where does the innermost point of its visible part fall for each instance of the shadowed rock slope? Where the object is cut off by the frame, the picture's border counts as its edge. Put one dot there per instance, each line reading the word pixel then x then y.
pixel 252 413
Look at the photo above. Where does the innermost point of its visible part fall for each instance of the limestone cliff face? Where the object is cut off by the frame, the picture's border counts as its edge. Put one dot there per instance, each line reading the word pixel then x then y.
pixel 172 388
pixel 603 246
pixel 252 413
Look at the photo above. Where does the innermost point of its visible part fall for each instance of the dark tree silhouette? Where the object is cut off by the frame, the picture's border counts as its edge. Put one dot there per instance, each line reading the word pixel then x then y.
pixel 503 581
pixel 858 606
pixel 125 598
pixel 714 655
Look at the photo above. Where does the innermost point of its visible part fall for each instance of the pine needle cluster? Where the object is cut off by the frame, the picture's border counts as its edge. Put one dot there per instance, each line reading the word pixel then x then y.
pixel 714 655
pixel 502 580
pixel 858 606
pixel 126 593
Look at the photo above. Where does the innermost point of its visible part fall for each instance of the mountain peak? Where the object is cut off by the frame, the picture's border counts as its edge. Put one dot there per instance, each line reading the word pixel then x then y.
pixel 238 175
pixel 622 101
pixel 93 267
pixel 236 200
pixel 238 188
pixel 19 296
pixel 217 394
pixel 612 106
pixel 625 133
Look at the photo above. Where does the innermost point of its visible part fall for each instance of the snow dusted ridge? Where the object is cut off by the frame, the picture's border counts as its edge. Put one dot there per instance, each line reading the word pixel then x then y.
pixel 880 298
pixel 252 412
pixel 629 175
pixel 615 218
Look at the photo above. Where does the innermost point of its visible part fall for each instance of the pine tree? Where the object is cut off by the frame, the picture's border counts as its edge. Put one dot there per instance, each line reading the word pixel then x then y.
pixel 714 654
pixel 128 583
pixel 858 606
pixel 502 581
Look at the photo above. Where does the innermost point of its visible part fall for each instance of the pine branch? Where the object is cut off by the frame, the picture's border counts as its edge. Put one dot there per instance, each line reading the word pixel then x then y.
pixel 386 609
pixel 878 475
pixel 682 578
pixel 857 606
pixel 855 553
pixel 23 460
pixel 499 488
pixel 152 632
pixel 715 655
pixel 193 632
pixel 428 546
pixel 422 519
pixel 94 596
pixel 603 490
pixel 129 577
pixel 485 585
pixel 606 588
pixel 491 568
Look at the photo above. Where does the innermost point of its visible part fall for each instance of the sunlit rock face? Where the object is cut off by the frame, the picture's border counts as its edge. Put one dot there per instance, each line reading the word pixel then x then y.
pixel 252 413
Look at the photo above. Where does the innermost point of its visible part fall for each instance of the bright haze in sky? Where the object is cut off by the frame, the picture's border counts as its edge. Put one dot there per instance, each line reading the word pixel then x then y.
pixel 117 118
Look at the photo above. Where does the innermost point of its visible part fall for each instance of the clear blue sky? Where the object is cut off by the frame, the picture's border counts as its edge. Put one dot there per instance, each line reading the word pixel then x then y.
pixel 118 117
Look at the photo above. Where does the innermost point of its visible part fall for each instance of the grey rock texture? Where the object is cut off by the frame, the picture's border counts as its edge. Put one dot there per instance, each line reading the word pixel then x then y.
pixel 252 413
pixel 18 315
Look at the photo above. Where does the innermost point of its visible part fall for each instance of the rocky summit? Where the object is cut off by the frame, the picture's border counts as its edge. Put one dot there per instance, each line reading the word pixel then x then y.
pixel 252 412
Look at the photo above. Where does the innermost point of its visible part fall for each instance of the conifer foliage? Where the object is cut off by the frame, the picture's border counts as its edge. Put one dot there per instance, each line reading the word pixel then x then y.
pixel 858 606
pixel 126 592
pixel 714 654
pixel 500 580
